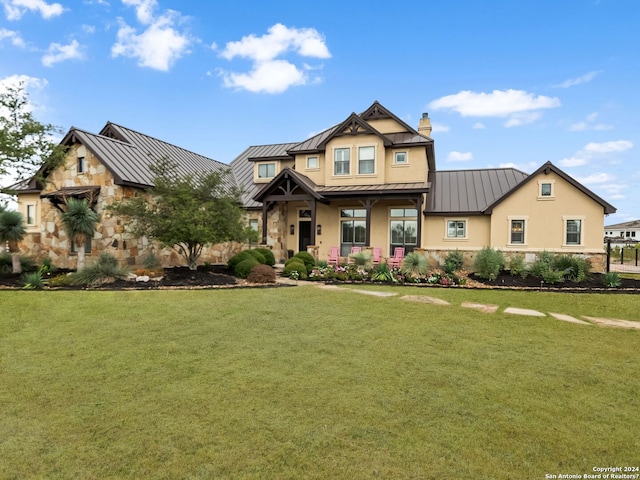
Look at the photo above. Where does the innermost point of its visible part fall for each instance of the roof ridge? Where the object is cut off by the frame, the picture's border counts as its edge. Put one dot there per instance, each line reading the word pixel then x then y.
pixel 482 170
pixel 102 137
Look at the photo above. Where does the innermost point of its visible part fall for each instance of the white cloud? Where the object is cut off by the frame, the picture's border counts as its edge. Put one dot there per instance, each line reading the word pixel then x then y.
pixel 479 126
pixel 267 77
pixel 589 125
pixel 30 83
pixel 14 37
pixel 439 128
pixel 587 77
pixel 459 156
pixel 14 9
pixel 90 29
pixel 157 47
pixel 521 107
pixel 58 53
pixel 269 73
pixel 592 150
pixel 595 178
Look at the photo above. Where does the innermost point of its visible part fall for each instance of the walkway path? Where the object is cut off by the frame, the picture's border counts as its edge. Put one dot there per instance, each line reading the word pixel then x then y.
pixel 487 308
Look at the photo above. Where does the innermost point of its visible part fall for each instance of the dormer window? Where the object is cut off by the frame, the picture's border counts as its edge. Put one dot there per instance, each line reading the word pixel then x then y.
pixel 312 162
pixel 266 170
pixel 81 165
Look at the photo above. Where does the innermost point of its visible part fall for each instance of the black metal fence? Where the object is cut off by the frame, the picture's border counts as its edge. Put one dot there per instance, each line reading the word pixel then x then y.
pixel 623 258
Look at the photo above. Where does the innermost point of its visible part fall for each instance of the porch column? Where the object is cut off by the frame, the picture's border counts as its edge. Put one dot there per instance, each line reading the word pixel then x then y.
pixel 368 205
pixel 420 220
pixel 265 207
pixel 312 206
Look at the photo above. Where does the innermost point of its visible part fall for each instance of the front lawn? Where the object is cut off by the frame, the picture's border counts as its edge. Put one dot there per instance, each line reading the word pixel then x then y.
pixel 309 383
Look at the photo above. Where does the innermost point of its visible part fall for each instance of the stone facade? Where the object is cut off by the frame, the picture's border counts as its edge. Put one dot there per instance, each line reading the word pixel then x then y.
pixel 49 239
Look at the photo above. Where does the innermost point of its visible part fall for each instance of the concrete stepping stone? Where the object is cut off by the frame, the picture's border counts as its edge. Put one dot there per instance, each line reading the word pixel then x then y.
pixel 424 299
pixel 374 293
pixel 524 311
pixel 480 306
pixel 568 318
pixel 614 322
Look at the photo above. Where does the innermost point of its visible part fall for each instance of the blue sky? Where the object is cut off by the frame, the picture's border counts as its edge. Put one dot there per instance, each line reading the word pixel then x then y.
pixel 506 83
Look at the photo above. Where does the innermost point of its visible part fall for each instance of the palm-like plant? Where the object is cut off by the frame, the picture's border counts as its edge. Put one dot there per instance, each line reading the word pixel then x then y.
pixel 80 222
pixel 12 230
pixel 415 264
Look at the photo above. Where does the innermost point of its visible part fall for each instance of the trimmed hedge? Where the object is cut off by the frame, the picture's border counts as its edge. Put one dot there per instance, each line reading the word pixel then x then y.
pixel 307 259
pixel 268 256
pixel 262 274
pixel 295 265
pixel 243 269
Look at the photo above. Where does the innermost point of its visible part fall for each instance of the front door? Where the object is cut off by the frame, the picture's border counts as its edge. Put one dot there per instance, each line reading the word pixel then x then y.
pixel 304 235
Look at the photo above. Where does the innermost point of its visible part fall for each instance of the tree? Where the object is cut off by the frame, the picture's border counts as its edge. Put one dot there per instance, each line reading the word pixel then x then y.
pixel 25 144
pixel 12 230
pixel 80 222
pixel 185 212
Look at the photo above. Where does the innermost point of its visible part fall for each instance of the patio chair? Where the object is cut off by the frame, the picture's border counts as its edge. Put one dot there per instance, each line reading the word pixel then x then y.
pixel 377 256
pixel 398 256
pixel 334 256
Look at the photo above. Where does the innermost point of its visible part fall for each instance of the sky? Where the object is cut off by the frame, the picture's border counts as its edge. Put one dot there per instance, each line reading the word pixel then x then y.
pixel 506 83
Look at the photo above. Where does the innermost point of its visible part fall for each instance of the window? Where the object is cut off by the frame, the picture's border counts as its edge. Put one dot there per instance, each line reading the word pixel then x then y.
pixel 400 158
pixel 267 170
pixel 456 229
pixel 81 165
pixel 353 229
pixel 403 229
pixel 31 214
pixel 342 158
pixel 253 224
pixel 366 160
pixel 312 162
pixel 574 232
pixel 517 232
pixel 545 189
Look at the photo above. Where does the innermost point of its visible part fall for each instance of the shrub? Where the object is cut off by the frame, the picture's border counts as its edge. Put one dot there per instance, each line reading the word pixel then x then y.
pixel 415 265
pixel 151 261
pixel 106 270
pixel 47 267
pixel 33 281
pixel 361 259
pixel 488 263
pixel 237 258
pixel 258 256
pixel 269 259
pixel 517 266
pixel 573 268
pixel 552 276
pixel 262 274
pixel 295 265
pixel 307 259
pixel 243 269
pixel 382 273
pixel 453 261
pixel 27 263
pixel 611 280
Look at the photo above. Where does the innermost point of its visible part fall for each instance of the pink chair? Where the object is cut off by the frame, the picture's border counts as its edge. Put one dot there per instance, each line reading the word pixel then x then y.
pixel 354 250
pixel 334 256
pixel 377 255
pixel 398 256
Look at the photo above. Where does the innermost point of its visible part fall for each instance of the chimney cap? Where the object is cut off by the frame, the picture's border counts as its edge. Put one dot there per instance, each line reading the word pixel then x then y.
pixel 425 115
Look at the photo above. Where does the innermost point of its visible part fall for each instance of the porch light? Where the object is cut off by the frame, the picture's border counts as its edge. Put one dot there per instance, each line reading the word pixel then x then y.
pixel 292 229
pixel 319 229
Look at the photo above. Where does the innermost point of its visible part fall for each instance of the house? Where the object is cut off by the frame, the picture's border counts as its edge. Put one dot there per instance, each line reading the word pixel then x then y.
pixel 369 181
pixel 104 168
pixel 623 232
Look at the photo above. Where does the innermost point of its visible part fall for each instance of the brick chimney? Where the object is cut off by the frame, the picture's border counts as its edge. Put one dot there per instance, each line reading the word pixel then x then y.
pixel 424 128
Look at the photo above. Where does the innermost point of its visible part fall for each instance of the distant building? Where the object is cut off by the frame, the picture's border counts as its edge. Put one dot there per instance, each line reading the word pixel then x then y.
pixel 627 231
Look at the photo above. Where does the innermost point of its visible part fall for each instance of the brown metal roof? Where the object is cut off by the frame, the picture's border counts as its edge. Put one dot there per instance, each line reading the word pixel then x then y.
pixel 469 191
pixel 242 168
pixel 410 187
pixel 621 226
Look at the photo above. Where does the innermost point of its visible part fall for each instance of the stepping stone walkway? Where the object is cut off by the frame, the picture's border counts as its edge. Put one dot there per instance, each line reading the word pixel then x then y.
pixel 487 308
pixel 424 299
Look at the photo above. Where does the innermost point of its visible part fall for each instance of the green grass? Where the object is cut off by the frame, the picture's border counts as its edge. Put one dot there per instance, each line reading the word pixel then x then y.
pixel 308 383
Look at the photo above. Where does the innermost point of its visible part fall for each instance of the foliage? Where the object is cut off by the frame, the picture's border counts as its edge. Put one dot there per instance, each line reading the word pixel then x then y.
pixel 268 255
pixel 34 280
pixel 104 271
pixel 47 267
pixel 488 263
pixel 361 259
pixel 243 269
pixel 257 255
pixel 26 145
pixel 237 258
pixel 185 212
pixel 552 276
pixel 262 274
pixel 80 222
pixel 12 230
pixel 611 280
pixel 307 259
pixel 573 267
pixel 415 265
pixel 517 266
pixel 381 273
pixel 453 261
pixel 295 265
pixel 151 261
